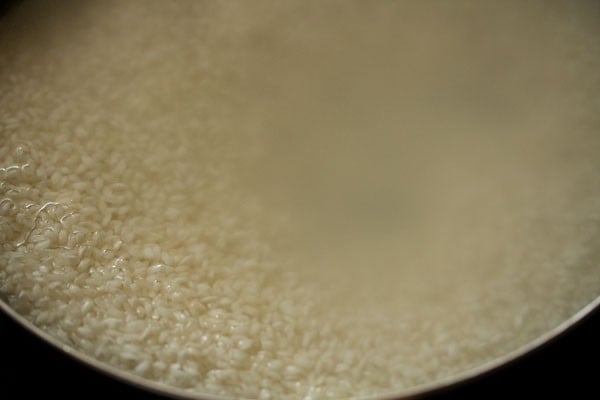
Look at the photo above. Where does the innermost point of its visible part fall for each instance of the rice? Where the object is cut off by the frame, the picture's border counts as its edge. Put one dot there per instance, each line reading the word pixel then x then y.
pixel 217 196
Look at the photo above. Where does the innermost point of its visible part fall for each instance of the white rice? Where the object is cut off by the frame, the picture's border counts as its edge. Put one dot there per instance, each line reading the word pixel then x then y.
pixel 299 199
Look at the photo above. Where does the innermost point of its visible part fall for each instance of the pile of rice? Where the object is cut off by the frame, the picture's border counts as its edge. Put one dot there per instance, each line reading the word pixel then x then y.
pixel 298 199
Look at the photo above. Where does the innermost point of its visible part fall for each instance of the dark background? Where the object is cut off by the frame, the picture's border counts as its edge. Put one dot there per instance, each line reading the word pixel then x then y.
pixel 568 367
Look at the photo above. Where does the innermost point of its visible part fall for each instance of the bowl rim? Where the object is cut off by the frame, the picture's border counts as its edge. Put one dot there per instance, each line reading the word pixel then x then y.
pixel 414 392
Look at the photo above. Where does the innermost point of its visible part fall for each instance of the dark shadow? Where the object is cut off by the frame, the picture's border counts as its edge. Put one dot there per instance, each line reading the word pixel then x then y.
pixel 7 5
